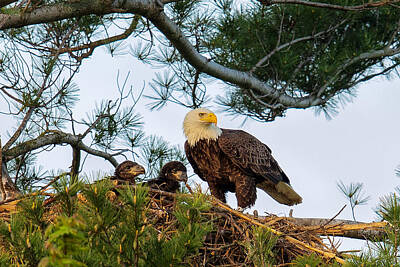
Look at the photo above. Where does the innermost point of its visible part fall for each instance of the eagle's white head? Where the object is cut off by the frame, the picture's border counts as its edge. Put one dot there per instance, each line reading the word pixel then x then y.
pixel 200 123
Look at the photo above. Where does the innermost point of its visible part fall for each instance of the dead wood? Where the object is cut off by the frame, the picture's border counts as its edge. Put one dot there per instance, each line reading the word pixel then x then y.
pixel 373 231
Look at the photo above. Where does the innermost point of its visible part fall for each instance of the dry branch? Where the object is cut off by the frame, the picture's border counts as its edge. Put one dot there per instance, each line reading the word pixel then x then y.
pixel 358 230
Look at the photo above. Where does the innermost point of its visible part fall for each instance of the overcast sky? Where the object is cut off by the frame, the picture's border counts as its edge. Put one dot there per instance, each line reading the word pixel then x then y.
pixel 360 144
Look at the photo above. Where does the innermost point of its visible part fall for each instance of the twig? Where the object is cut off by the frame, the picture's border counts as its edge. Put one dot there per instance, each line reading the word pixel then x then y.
pixel 337 214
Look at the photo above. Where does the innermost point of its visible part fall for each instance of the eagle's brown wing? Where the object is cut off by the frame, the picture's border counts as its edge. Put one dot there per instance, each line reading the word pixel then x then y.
pixel 251 155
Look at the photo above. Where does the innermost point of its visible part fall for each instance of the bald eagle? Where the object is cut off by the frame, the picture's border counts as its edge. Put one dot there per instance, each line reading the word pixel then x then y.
pixel 233 160
pixel 170 175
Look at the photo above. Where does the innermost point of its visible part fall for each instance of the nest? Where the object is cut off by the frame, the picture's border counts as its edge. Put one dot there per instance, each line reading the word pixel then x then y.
pixel 223 246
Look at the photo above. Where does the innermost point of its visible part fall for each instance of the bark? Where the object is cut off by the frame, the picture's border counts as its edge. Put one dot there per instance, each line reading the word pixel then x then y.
pixel 369 5
pixel 7 188
pixel 76 162
pixel 55 138
pixel 373 231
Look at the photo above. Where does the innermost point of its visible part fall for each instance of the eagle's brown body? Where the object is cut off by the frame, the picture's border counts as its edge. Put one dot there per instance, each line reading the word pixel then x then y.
pixel 236 161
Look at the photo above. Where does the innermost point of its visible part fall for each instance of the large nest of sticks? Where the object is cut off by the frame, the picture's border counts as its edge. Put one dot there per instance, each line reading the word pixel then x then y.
pixel 223 246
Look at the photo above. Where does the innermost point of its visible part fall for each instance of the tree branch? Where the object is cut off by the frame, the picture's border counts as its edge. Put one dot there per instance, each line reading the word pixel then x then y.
pixel 369 5
pixel 373 231
pixel 55 138
pixel 386 51
pixel 152 10
pixel 91 46
pixel 239 78
pixel 50 13
pixel 262 61
pixel 32 108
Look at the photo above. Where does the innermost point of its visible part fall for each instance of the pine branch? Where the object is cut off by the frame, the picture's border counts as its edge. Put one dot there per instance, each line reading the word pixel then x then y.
pixel 369 5
pixel 54 138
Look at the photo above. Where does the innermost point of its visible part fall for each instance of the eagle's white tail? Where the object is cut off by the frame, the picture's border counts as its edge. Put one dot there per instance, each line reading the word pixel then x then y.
pixel 281 192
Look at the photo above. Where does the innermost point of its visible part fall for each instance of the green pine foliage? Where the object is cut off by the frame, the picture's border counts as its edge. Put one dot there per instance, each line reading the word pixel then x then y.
pixel 260 247
pixel 305 50
pixel 65 239
pixel 386 252
pixel 100 225
pixel 87 226
pixel 355 195
pixel 23 237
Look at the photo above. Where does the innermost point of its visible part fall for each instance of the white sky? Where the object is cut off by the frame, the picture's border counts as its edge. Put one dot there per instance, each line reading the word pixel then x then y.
pixel 361 144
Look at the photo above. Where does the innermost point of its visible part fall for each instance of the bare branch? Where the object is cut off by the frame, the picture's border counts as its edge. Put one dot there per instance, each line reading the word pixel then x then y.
pixel 51 13
pixel 31 109
pixel 387 51
pixel 3 89
pixel 369 5
pixel 352 229
pixel 262 61
pixel 55 138
pixel 91 46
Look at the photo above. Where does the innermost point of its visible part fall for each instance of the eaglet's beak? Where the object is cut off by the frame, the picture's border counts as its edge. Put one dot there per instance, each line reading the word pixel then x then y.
pixel 180 176
pixel 136 170
pixel 210 117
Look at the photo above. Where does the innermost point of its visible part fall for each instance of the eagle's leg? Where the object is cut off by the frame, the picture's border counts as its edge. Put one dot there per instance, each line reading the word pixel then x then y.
pixel 217 191
pixel 246 192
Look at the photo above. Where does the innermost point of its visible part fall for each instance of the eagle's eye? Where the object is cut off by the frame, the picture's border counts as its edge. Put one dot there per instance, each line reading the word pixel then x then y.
pixel 202 114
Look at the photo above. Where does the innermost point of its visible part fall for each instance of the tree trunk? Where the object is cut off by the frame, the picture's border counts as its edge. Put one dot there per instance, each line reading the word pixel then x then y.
pixel 7 187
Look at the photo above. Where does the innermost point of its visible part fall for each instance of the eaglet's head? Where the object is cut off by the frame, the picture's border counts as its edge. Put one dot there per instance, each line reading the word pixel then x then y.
pixel 200 123
pixel 128 170
pixel 174 171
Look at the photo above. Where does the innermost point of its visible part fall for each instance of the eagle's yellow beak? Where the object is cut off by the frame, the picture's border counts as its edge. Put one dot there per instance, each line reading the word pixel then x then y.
pixel 210 117
pixel 136 170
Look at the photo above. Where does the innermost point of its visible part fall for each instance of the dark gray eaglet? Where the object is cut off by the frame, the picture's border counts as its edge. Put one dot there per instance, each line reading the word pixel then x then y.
pixel 128 170
pixel 233 160
pixel 170 175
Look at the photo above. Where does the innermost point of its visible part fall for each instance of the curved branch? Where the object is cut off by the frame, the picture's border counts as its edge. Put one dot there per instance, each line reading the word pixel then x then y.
pixel 152 10
pixel 55 138
pixel 92 45
pixel 386 51
pixel 239 78
pixel 262 61
pixel 369 5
